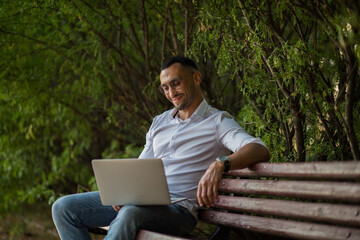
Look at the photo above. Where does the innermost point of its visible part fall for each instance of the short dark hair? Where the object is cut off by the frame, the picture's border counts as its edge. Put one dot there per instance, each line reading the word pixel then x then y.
pixel 184 61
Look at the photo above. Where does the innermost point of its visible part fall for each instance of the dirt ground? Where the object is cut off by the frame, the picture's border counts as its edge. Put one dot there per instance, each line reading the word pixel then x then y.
pixel 35 222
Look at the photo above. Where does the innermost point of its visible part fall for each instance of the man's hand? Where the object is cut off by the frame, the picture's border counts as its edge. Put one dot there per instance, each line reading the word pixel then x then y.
pixel 208 184
pixel 116 208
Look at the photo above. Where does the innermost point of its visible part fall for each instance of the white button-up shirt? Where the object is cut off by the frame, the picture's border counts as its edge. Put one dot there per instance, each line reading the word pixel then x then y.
pixel 188 147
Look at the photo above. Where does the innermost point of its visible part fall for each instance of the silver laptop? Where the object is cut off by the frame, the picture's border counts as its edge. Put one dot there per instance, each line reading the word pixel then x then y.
pixel 132 181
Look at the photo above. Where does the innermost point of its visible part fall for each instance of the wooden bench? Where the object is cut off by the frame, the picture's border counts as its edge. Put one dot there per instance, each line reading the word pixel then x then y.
pixel 313 200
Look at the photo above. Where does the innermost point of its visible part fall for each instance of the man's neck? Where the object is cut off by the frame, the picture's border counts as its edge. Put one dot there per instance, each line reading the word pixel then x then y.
pixel 187 113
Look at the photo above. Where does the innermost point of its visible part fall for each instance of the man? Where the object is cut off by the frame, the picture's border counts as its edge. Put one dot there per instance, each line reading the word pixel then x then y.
pixel 194 141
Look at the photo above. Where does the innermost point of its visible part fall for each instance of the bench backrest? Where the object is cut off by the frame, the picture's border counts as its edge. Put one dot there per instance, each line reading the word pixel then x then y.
pixel 313 200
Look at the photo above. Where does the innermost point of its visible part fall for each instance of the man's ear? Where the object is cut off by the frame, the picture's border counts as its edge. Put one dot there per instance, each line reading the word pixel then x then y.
pixel 197 77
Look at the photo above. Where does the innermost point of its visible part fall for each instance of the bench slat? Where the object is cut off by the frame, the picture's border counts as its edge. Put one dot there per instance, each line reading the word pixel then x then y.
pixel 149 235
pixel 324 170
pixel 279 227
pixel 340 191
pixel 332 213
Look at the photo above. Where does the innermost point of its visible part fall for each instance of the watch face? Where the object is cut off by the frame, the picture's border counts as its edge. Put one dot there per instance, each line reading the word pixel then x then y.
pixel 223 158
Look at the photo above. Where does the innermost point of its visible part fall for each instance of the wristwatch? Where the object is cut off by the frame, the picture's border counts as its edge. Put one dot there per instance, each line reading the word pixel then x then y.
pixel 225 160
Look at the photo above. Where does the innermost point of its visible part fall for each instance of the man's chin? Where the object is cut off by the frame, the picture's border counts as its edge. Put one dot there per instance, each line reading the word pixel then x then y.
pixel 179 106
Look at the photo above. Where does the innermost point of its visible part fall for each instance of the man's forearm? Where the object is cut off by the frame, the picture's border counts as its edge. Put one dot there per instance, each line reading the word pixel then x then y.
pixel 249 154
pixel 208 184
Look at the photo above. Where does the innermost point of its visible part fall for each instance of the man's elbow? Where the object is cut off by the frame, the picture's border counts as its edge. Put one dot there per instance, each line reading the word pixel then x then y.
pixel 263 153
pixel 267 155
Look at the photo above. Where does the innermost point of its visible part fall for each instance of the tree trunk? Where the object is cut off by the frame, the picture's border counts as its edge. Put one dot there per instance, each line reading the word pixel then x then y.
pixel 298 119
pixel 352 67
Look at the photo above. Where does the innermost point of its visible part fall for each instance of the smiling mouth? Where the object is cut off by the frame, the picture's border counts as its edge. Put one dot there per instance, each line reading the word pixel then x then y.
pixel 176 99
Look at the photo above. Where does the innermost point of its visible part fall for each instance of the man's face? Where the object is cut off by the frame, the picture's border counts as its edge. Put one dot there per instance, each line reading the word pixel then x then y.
pixel 178 85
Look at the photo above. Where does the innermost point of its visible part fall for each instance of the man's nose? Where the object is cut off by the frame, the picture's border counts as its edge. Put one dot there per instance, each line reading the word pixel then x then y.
pixel 172 92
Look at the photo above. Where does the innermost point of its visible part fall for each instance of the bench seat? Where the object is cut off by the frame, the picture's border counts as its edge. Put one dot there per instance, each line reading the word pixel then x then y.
pixel 311 200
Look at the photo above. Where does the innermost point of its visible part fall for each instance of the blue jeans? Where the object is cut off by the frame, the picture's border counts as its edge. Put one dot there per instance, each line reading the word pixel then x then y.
pixel 72 215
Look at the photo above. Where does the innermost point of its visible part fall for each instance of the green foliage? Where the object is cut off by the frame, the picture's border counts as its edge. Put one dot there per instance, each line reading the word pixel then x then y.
pixel 78 81
pixel 289 66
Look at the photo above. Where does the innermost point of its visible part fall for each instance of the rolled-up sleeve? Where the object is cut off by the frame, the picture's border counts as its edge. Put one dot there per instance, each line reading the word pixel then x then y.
pixel 148 151
pixel 231 135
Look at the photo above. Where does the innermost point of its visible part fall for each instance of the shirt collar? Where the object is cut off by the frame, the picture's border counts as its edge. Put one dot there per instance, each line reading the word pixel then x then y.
pixel 199 112
pixel 201 109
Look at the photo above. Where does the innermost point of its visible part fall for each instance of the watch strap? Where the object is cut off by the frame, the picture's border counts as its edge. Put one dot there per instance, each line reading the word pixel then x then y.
pixel 226 161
